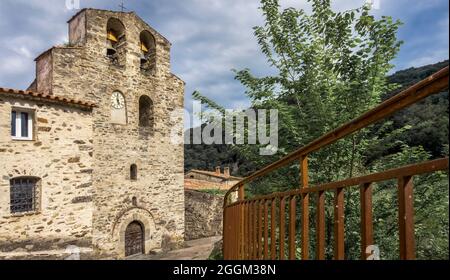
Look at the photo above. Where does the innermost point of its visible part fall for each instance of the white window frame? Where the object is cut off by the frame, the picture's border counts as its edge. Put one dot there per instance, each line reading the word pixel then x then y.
pixel 18 135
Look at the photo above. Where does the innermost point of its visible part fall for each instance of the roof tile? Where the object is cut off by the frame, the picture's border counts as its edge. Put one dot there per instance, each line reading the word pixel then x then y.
pixel 53 98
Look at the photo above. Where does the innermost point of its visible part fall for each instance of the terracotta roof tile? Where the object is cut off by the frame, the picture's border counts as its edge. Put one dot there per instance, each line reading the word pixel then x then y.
pixel 53 98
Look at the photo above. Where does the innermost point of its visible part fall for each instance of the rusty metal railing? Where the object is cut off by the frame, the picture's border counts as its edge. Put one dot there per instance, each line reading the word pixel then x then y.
pixel 249 232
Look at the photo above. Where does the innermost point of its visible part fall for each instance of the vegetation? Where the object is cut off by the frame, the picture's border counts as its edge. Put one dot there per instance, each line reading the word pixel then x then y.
pixel 332 67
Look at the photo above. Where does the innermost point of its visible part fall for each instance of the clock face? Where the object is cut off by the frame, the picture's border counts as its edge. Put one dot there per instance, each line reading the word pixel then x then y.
pixel 117 100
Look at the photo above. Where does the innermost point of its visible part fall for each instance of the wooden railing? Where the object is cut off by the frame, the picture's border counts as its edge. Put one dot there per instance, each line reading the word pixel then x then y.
pixel 256 228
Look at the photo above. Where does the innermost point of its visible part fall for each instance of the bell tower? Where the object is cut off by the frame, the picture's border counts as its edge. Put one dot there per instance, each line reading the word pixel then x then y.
pixel 118 61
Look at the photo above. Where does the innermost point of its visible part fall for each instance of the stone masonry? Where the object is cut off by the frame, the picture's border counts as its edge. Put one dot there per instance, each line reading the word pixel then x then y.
pixel 86 195
pixel 203 214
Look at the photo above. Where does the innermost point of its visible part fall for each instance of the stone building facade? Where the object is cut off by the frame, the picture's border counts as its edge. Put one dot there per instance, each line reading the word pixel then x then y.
pixel 97 168
pixel 210 180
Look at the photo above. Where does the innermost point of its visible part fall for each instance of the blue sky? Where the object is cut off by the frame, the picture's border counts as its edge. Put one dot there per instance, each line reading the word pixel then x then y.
pixel 209 37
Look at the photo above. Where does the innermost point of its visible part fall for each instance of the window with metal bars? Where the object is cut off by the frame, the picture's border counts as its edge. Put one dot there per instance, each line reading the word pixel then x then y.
pixel 23 193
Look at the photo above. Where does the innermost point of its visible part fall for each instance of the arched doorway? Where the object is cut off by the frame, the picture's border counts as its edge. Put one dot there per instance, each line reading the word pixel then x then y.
pixel 134 239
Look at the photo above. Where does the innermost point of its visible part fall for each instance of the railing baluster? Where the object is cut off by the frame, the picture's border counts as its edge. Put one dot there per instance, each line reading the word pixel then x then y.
pixel 282 226
pixel 225 233
pixel 266 229
pixel 305 208
pixel 339 250
pixel 245 245
pixel 292 218
pixel 250 230
pixel 260 229
pixel 231 239
pixel 230 232
pixel 320 228
pixel 241 197
pixel 255 229
pixel 406 218
pixel 273 241
pixel 236 232
pixel 366 219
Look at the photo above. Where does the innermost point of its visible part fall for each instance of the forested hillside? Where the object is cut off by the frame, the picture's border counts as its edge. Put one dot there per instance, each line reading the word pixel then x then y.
pixel 428 120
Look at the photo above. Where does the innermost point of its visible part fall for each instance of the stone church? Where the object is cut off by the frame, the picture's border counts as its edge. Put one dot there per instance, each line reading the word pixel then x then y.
pixel 86 159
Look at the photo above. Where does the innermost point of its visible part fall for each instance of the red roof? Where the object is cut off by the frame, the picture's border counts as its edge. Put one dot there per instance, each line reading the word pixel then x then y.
pixel 47 97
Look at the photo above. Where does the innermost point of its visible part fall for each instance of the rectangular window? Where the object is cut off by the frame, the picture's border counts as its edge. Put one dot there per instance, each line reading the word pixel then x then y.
pixel 23 195
pixel 21 125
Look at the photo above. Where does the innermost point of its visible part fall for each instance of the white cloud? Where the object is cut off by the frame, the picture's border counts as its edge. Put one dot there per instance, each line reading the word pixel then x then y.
pixel 12 65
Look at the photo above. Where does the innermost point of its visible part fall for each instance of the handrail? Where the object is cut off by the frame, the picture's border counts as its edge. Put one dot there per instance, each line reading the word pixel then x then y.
pixel 408 170
pixel 433 84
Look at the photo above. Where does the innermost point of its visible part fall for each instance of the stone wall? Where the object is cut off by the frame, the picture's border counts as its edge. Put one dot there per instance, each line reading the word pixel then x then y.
pixel 61 156
pixel 203 216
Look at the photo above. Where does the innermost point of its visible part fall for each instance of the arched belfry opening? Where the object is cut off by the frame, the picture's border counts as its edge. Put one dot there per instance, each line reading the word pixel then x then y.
pixel 116 39
pixel 146 117
pixel 148 51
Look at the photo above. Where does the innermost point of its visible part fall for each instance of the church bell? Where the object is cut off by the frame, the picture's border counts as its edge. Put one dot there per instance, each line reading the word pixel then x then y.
pixel 144 56
pixel 110 49
pixel 112 39
pixel 144 59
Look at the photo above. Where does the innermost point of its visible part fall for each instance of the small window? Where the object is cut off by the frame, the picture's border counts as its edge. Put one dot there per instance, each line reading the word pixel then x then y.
pixel 134 201
pixel 133 172
pixel 23 194
pixel 21 125
pixel 145 112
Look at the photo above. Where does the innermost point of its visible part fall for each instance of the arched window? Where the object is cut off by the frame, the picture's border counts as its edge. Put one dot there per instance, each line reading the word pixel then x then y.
pixel 118 108
pixel 145 112
pixel 115 39
pixel 148 51
pixel 24 194
pixel 133 172
pixel 134 201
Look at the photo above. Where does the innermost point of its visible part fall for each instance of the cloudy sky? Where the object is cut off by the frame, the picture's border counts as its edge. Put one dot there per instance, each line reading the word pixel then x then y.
pixel 209 37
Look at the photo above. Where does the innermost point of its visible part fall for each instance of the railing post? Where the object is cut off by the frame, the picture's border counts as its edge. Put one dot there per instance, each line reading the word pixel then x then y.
pixel 305 208
pixel 406 218
pixel 241 192
pixel 366 219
